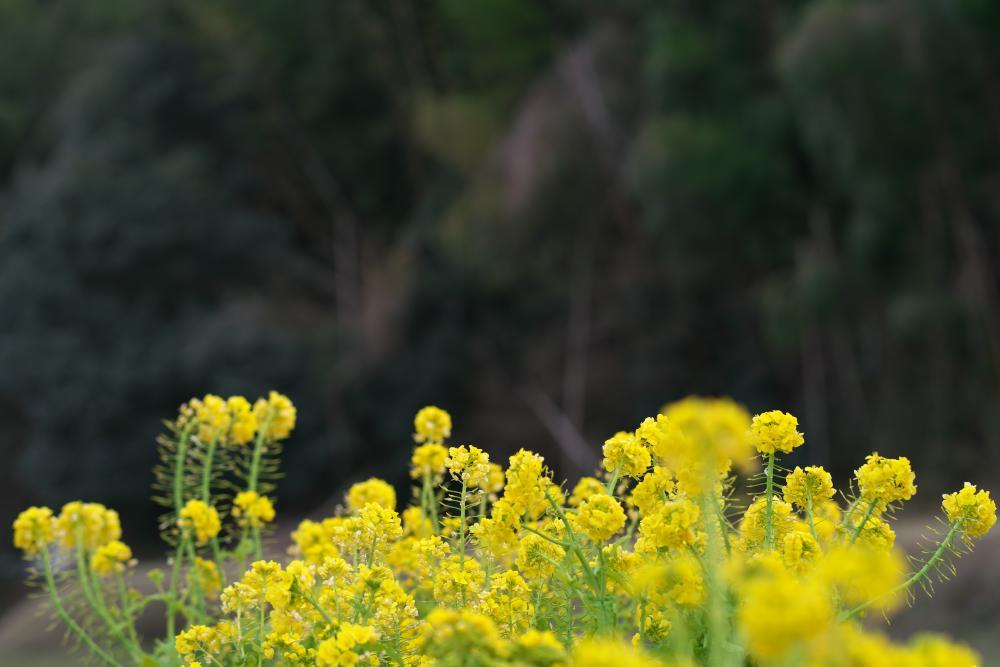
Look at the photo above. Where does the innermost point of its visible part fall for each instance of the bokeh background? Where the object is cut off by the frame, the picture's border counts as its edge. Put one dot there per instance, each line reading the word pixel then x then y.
pixel 549 217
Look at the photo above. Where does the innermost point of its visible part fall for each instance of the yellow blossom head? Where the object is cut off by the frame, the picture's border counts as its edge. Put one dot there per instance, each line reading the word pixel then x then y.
pixel 373 490
pixel 469 465
pixel 808 487
pixel 428 460
pixel 200 517
pixel 599 517
pixel 110 558
pixel 276 416
pixel 432 425
pixel 885 481
pixel 253 509
pixel 625 455
pixel 974 511
pixel 88 525
pixel 242 420
pixel 775 431
pixel 602 652
pixel 34 530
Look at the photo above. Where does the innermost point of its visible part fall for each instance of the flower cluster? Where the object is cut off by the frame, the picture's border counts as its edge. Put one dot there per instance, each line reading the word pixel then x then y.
pixel 662 557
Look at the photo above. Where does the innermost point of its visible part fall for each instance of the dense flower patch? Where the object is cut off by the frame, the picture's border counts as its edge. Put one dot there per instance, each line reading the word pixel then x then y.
pixel 654 560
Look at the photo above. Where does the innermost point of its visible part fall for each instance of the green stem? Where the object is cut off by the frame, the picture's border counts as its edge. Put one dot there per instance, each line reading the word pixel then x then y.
pixel 614 480
pixel 172 592
pixel 206 472
pixel 179 461
pixel 428 502
pixel 50 584
pixel 574 545
pixel 809 513
pixel 199 598
pixel 769 512
pixel 258 451
pixel 94 599
pixel 723 524
pixel 868 515
pixel 126 611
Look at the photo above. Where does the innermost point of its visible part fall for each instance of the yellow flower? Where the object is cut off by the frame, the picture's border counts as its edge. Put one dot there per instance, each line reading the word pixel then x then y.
pixel 718 429
pixel 780 611
pixel 860 575
pixel 343 648
pixel 624 454
pixel 876 533
pixel 526 484
pixel 253 509
pixel 201 517
pixel 974 510
pixel 265 581
pixel 313 542
pixel 537 647
pixel 811 485
pixel 377 529
pixel 111 557
pixel 470 465
pixel 428 460
pixel 674 525
pixel 585 488
pixel 508 603
pixel 599 517
pixel 373 490
pixel 458 581
pixel 652 490
pixel 432 425
pixel 452 638
pixel 602 652
pixel 494 479
pixel 754 524
pixel 206 575
pixel 931 650
pixel 537 557
pixel 275 416
pixel 34 530
pixel 88 524
pixel 775 431
pixel 243 421
pixel 212 414
pixel 799 550
pixel 885 481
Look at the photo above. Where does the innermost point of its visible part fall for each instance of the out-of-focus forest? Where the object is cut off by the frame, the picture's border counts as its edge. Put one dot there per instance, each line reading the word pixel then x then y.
pixel 548 217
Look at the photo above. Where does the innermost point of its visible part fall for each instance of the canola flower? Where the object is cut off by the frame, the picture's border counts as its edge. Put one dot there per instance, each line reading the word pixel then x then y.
pixel 655 559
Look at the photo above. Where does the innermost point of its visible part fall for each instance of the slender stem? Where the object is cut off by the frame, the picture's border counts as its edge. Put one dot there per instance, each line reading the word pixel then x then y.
pixel 918 576
pixel 258 451
pixel 868 515
pixel 769 512
pixel 172 593
pixel 574 545
pixel 614 480
pixel 199 597
pixel 809 513
pixel 723 524
pixel 314 603
pixel 428 502
pixel 95 600
pixel 206 472
pixel 717 612
pixel 126 611
pixel 258 548
pixel 179 461
pixel 50 584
